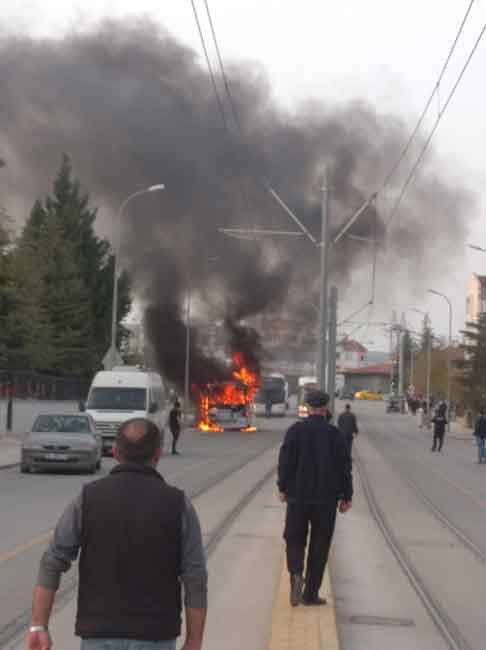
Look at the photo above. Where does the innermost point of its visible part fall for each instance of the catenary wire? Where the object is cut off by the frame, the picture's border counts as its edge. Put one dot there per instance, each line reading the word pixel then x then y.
pixel 430 99
pixel 434 129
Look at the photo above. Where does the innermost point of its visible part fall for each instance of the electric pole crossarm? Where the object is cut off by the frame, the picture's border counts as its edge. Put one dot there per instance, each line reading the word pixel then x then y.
pixel 353 218
pixel 291 214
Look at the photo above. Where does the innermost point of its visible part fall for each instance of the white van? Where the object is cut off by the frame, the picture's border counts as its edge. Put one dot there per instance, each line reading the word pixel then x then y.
pixel 122 394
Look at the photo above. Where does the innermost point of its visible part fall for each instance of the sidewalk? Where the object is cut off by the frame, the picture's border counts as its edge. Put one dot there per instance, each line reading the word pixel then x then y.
pixel 248 583
pixel 9 450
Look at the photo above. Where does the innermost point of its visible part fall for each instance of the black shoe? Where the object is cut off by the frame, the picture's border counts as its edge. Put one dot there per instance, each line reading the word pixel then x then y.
pixel 175 453
pixel 316 601
pixel 296 584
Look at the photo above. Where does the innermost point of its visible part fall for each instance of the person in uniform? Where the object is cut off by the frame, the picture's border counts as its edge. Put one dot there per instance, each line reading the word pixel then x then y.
pixel 175 416
pixel 314 479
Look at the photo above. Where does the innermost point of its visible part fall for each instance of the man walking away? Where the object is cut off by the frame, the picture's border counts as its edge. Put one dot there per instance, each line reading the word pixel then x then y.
pixel 140 539
pixel 175 416
pixel 480 434
pixel 314 476
pixel 348 424
pixel 440 422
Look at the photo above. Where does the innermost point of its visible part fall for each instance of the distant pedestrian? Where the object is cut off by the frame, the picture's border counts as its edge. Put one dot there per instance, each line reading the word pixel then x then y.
pixel 440 422
pixel 139 539
pixel 314 477
pixel 348 424
pixel 424 415
pixel 175 417
pixel 480 434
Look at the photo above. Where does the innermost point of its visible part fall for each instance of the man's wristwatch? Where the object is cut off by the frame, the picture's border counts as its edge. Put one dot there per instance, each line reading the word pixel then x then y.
pixel 38 628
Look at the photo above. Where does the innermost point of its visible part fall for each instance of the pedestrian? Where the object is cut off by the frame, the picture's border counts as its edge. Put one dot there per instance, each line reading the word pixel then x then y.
pixel 480 434
pixel 314 479
pixel 175 417
pixel 139 539
pixel 348 424
pixel 440 422
pixel 423 411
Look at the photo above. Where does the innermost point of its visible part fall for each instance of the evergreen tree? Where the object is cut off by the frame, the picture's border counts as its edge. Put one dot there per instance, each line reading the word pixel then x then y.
pixel 62 285
pixel 472 376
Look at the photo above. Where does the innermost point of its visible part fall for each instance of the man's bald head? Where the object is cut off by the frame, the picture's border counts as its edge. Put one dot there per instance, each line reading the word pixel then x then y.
pixel 138 441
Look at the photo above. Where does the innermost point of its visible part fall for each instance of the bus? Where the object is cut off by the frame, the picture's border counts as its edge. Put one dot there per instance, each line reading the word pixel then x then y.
pixel 305 384
pixel 272 396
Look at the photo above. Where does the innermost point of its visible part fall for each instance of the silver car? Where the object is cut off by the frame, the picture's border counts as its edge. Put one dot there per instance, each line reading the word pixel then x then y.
pixel 62 442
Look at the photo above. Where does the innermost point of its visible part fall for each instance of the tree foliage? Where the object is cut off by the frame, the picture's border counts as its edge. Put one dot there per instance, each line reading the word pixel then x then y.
pixel 471 370
pixel 58 286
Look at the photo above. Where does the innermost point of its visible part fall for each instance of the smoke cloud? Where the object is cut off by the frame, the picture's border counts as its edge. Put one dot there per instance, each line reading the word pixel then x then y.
pixel 132 107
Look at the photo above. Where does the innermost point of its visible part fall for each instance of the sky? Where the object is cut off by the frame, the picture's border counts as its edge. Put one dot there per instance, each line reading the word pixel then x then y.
pixel 388 53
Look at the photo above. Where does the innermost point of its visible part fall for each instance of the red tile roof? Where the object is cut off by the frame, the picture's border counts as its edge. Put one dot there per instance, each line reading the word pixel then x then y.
pixel 352 346
pixel 380 369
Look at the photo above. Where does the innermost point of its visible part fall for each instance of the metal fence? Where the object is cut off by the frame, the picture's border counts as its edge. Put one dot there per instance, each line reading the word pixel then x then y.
pixel 32 385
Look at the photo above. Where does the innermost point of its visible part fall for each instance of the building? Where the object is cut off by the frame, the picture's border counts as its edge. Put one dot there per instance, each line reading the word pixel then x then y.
pixel 476 297
pixel 373 378
pixel 350 354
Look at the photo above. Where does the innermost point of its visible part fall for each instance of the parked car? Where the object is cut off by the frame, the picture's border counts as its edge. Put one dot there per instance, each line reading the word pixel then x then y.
pixel 368 395
pixel 62 442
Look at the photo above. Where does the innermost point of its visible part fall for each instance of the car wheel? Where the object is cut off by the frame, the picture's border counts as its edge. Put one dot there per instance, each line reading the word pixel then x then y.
pixel 24 469
pixel 98 464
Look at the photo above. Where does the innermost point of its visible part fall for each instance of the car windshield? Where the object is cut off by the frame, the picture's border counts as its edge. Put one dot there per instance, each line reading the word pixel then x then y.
pixel 118 399
pixel 62 423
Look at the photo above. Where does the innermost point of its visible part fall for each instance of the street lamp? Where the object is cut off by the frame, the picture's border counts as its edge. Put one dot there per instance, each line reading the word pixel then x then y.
pixel 449 355
pixel 112 356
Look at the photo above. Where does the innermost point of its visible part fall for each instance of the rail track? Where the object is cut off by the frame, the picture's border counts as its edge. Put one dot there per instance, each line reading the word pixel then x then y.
pixel 12 632
pixel 444 624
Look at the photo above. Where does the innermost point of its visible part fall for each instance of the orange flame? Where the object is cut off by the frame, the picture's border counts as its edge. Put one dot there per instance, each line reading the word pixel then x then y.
pixel 240 392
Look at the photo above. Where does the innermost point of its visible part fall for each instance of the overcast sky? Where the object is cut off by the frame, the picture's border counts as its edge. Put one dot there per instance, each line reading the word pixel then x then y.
pixel 389 53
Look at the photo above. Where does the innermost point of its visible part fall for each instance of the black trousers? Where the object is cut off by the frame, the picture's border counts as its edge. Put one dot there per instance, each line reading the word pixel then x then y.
pixel 321 519
pixel 438 440
pixel 176 432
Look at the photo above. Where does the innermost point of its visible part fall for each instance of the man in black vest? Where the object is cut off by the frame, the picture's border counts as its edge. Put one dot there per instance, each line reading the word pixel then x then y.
pixel 314 476
pixel 139 539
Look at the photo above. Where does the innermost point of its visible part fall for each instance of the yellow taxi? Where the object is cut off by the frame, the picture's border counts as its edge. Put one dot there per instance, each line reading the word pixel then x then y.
pixel 368 395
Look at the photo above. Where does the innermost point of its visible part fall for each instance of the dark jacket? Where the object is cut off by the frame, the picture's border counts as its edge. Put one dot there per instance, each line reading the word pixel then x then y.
pixel 480 428
pixel 130 557
pixel 314 463
pixel 347 424
pixel 439 422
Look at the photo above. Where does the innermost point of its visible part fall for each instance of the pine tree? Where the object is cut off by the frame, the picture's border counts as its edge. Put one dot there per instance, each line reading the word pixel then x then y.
pixel 472 370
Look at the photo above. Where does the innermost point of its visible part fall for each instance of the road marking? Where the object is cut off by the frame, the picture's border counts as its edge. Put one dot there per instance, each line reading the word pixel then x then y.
pixel 22 548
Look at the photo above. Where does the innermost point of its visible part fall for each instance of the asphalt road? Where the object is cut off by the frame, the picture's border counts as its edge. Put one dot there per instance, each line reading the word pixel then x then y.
pixel 31 504
pixel 435 506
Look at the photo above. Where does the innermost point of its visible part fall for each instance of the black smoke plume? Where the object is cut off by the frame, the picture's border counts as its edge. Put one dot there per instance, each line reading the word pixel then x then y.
pixel 133 107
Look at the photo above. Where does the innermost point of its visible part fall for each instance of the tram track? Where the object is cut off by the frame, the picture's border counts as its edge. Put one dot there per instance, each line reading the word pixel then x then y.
pixel 12 632
pixel 447 628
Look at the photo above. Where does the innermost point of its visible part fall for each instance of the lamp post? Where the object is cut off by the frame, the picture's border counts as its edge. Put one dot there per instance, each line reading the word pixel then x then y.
pixel 449 354
pixel 112 355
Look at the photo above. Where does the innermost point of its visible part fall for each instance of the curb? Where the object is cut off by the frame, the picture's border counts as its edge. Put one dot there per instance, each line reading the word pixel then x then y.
pixel 303 628
pixel 9 465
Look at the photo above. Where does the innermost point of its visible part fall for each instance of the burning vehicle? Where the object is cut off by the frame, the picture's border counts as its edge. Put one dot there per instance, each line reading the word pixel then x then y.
pixel 228 405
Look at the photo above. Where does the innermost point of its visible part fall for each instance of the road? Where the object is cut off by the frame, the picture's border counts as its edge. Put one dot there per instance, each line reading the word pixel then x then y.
pixel 31 504
pixel 421 517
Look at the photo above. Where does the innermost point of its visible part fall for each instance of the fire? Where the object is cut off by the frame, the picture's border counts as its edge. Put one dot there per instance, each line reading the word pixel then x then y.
pixel 236 395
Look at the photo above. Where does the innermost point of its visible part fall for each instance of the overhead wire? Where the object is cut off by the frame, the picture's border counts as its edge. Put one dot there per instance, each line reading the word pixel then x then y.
pixel 434 92
pixel 434 129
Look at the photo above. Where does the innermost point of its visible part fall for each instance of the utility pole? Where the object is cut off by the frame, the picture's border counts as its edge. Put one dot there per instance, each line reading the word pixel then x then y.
pixel 429 362
pixel 188 358
pixel 333 320
pixel 401 369
pixel 322 342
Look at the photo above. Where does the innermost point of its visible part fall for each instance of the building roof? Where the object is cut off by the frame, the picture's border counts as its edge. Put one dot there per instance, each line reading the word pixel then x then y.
pixel 379 369
pixel 352 346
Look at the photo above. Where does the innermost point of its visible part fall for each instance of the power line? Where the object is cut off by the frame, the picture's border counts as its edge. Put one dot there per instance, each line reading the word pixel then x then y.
pixel 434 129
pixel 429 101
pixel 210 67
